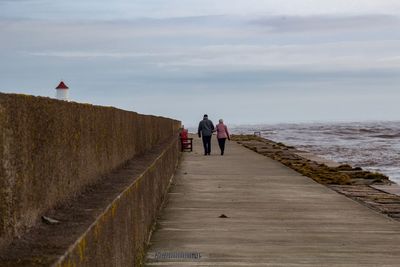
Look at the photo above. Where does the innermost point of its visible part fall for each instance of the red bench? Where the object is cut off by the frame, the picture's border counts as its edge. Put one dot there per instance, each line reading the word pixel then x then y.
pixel 186 142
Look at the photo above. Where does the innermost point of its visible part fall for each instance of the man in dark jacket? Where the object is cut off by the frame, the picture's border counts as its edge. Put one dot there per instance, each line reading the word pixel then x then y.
pixel 206 129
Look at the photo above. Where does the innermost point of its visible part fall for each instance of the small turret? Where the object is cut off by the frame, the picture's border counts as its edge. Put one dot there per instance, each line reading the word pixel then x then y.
pixel 62 91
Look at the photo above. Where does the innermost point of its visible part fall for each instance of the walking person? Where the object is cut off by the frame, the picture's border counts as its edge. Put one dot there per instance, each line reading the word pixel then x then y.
pixel 206 129
pixel 222 135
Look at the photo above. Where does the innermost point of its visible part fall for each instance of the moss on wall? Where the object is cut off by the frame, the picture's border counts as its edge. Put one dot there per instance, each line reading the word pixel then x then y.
pixel 51 150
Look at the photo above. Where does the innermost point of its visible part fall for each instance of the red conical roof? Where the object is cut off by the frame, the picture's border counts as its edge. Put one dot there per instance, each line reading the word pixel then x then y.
pixel 62 86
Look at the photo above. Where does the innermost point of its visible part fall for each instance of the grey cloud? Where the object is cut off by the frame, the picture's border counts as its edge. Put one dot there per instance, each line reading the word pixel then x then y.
pixel 192 42
pixel 17 1
pixel 325 23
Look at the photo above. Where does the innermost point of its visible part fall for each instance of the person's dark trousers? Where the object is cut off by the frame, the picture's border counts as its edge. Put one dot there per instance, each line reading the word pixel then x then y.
pixel 207 145
pixel 221 143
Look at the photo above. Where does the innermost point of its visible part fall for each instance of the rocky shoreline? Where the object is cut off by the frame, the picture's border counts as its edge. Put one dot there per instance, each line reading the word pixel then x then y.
pixel 353 182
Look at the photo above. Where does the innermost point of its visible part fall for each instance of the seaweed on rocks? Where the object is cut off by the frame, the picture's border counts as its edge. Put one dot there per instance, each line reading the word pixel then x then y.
pixel 288 155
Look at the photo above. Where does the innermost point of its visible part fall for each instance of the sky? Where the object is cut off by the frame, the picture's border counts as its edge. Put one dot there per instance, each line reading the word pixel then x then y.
pixel 246 61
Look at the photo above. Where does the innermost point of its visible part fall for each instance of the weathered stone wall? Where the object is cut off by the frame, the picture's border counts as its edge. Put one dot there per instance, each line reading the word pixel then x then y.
pixel 119 236
pixel 51 150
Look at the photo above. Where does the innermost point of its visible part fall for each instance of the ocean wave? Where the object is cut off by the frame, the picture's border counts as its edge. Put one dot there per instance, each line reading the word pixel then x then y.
pixel 387 136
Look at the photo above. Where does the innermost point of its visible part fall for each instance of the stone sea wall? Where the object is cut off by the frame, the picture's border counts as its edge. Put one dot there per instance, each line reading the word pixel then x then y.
pixel 51 150
pixel 118 237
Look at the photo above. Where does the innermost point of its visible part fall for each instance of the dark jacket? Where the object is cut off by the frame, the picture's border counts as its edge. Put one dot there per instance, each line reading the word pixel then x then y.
pixel 206 128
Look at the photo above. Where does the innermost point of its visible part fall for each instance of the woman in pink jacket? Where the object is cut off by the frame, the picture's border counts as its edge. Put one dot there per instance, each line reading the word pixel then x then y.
pixel 222 135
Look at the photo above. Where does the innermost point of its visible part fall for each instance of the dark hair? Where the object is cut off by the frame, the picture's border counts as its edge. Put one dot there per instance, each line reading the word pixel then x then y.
pixel 205 115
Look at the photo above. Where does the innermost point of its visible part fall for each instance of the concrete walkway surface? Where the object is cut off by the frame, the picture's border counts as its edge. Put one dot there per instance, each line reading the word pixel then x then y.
pixel 275 217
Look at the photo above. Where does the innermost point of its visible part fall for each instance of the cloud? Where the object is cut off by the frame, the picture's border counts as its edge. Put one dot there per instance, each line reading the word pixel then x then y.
pixel 348 56
pixel 100 54
pixel 121 35
pixel 37 2
pixel 307 57
pixel 217 41
pixel 326 23
pixel 126 9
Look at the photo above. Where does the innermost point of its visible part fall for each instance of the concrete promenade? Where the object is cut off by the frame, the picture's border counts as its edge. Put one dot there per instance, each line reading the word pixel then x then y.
pixel 275 217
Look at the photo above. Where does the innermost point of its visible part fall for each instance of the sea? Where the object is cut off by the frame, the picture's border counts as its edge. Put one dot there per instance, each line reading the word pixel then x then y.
pixel 374 146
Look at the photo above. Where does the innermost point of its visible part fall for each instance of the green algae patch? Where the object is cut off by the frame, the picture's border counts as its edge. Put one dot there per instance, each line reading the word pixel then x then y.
pixel 82 249
pixel 246 137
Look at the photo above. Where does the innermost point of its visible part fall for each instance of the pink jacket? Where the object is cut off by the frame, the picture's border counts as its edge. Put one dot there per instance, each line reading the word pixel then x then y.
pixel 222 131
